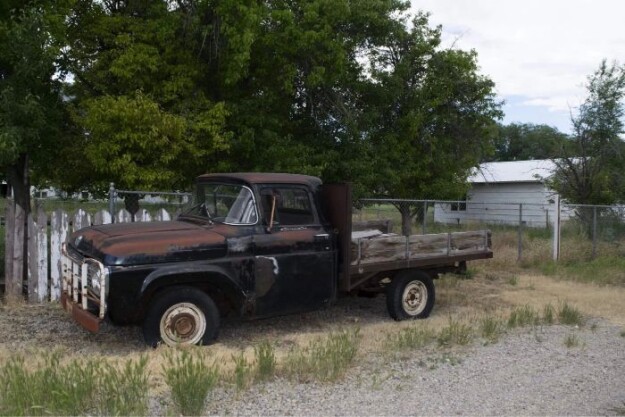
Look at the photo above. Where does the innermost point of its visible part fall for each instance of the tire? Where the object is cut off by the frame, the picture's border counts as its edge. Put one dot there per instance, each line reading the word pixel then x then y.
pixel 410 295
pixel 181 316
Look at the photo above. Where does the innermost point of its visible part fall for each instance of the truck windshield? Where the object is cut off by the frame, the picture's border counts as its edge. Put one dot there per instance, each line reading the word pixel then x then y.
pixel 224 203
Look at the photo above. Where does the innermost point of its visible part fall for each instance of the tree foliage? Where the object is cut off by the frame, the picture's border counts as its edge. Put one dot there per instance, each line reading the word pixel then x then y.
pixel 524 141
pixel 591 171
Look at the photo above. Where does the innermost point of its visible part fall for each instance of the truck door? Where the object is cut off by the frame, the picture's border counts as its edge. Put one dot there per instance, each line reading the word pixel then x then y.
pixel 294 257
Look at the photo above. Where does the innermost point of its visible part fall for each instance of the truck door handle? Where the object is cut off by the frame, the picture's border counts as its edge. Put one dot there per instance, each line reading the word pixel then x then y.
pixel 321 237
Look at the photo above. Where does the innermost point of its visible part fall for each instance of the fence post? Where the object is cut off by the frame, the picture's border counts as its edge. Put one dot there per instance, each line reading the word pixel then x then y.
pixel 520 245
pixel 594 232
pixel 556 230
pixel 425 218
pixel 112 201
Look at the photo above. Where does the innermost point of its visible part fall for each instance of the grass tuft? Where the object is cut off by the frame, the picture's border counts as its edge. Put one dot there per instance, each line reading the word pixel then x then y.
pixel 410 338
pixel 190 378
pixel 455 333
pixel 242 371
pixel 265 361
pixel 548 314
pixel 569 315
pixel 523 316
pixel 491 328
pixel 324 359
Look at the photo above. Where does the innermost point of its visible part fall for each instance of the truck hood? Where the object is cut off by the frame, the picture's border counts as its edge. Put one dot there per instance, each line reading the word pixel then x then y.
pixel 154 242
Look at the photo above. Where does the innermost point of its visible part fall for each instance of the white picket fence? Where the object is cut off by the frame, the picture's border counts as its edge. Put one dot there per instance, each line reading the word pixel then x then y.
pixel 44 255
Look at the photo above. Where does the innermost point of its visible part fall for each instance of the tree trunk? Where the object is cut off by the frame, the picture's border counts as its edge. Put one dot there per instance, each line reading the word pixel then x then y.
pixel 19 183
pixel 406 219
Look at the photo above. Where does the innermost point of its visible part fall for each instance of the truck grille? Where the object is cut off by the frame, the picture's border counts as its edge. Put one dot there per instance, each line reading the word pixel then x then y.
pixel 84 281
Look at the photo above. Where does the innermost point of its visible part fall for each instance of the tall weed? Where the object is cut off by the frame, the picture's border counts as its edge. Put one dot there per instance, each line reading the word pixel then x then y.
pixel 190 378
pixel 324 359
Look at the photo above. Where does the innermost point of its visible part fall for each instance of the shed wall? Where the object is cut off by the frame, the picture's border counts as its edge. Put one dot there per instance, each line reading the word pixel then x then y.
pixel 498 203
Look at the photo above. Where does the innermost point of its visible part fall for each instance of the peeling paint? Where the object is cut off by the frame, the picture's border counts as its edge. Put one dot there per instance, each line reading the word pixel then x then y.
pixel 276 269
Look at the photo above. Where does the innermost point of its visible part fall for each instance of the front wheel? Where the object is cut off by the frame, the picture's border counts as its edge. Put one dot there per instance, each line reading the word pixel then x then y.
pixel 410 295
pixel 181 316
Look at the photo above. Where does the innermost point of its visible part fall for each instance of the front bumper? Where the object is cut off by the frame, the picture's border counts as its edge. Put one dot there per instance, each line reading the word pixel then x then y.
pixel 78 295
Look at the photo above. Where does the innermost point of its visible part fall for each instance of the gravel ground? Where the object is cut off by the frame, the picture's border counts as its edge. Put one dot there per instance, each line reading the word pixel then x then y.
pixel 529 372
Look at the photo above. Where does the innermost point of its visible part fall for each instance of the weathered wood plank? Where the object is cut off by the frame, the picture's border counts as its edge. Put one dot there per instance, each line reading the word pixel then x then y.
pixel 81 219
pixel 394 248
pixel 143 216
pixel 15 281
pixel 41 233
pixel 162 215
pixel 102 217
pixel 59 225
pixel 9 233
pixel 123 216
pixel 33 255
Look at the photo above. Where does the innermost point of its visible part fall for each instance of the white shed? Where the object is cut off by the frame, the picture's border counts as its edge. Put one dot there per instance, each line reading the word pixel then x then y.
pixel 504 193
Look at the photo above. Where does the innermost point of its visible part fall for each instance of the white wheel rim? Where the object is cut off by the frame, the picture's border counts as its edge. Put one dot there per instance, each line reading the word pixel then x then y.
pixel 182 324
pixel 414 298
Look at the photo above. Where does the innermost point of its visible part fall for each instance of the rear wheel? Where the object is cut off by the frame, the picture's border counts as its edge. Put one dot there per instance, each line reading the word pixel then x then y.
pixel 410 295
pixel 181 316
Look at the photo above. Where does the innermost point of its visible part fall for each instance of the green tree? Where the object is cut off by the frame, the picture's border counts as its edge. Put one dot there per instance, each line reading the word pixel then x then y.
pixel 591 170
pixel 144 97
pixel 32 115
pixel 431 117
pixel 526 141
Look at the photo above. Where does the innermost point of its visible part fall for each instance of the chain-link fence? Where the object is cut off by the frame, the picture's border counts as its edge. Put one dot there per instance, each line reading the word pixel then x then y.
pixel 521 231
pixel 133 201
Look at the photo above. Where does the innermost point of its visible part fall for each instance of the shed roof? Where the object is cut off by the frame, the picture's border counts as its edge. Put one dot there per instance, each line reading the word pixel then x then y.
pixel 513 171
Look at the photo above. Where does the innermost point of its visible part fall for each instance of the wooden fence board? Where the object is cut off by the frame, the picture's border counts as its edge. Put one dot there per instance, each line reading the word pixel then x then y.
pixel 59 228
pixel 9 233
pixel 81 219
pixel 102 217
pixel 37 257
pixel 15 280
pixel 162 215
pixel 143 216
pixel 123 216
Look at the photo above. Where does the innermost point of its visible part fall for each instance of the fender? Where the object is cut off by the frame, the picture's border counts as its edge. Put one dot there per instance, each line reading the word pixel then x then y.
pixel 213 276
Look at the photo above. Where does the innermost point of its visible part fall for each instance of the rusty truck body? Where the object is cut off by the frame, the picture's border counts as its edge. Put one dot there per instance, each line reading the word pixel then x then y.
pixel 254 245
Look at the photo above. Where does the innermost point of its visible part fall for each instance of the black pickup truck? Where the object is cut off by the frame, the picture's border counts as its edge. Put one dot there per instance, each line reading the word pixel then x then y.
pixel 254 245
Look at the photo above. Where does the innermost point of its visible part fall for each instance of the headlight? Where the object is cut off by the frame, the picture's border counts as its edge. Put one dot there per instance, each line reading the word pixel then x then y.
pixel 96 282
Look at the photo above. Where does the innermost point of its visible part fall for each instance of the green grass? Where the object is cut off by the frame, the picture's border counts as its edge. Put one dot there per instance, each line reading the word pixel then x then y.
pixel 265 361
pixel 513 280
pixel 523 316
pixel 410 338
pixel 190 378
pixel 455 333
pixel 569 315
pixel 548 314
pixel 242 373
pixel 324 359
pixel 79 387
pixel 491 328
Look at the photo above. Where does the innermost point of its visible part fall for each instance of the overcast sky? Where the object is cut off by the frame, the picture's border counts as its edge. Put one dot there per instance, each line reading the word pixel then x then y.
pixel 538 52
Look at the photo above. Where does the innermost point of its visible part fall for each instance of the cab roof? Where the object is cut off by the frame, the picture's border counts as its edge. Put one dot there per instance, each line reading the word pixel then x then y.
pixel 262 178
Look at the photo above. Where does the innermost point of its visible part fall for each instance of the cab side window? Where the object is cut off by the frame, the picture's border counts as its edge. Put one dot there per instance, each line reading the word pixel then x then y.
pixel 290 206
